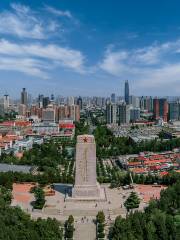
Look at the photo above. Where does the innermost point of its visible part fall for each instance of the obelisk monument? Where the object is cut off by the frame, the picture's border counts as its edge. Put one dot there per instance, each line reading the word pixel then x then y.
pixel 86 185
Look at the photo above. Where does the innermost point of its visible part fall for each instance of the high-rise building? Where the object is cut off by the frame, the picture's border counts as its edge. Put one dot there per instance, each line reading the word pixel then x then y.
pixel 160 107
pixel 48 115
pixel 142 104
pixel 70 101
pixel 146 103
pixel 74 112
pixel 174 111
pixel 113 98
pixel 126 92
pixel 111 113
pixel 156 108
pixel 134 101
pixel 52 98
pixel 134 114
pixel 80 103
pixel 123 113
pixel 45 102
pixel 6 102
pixel 22 109
pixel 163 109
pixel 40 100
pixel 24 97
pixel 69 112
pixel 63 112
pixel 29 99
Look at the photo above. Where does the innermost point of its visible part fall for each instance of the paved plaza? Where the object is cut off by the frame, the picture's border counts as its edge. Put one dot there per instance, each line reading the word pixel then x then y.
pixel 57 206
pixel 112 205
pixel 22 196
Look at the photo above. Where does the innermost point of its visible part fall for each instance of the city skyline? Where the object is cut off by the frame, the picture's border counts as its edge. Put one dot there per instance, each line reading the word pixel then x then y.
pixel 47 47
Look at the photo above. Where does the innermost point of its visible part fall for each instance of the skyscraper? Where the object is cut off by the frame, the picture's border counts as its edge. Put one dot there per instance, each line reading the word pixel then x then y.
pixel 134 101
pixel 156 108
pixel 45 102
pixel 6 101
pixel 163 109
pixel 160 109
pixel 134 114
pixel 113 98
pixel 126 92
pixel 40 100
pixel 123 113
pixel 70 101
pixel 79 102
pixel 24 97
pixel 48 115
pixel 111 113
pixel 174 111
pixel 146 103
pixel 52 98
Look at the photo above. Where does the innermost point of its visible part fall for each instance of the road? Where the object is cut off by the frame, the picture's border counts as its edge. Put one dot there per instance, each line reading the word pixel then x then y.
pixel 91 126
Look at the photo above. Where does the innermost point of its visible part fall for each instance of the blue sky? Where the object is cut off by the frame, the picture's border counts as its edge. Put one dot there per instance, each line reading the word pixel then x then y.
pixel 89 47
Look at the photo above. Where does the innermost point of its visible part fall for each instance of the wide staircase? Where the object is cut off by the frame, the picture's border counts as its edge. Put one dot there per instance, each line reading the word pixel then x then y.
pixel 85 231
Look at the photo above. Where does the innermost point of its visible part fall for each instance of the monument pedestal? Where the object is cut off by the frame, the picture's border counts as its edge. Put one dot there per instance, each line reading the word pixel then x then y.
pixel 87 193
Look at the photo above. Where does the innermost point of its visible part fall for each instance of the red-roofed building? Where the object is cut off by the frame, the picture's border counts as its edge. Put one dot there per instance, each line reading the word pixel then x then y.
pixel 67 125
pixel 139 170
pixel 66 129
pixel 141 158
pixel 134 164
pixel 163 173
pixel 22 123
pixel 8 124
pixel 154 168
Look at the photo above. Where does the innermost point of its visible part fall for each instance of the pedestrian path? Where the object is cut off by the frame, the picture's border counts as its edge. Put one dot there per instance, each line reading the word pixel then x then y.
pixel 85 231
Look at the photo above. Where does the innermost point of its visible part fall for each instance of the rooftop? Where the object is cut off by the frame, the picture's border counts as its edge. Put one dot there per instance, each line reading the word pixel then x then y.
pixel 15 168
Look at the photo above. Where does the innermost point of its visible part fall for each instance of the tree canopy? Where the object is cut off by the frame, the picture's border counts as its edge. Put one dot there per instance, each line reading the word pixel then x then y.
pixel 160 221
pixel 132 201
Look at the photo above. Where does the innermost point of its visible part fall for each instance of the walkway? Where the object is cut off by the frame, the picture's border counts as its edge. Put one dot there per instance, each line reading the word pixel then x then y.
pixel 85 231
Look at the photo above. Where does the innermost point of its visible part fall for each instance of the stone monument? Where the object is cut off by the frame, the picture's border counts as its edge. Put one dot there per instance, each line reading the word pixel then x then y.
pixel 86 186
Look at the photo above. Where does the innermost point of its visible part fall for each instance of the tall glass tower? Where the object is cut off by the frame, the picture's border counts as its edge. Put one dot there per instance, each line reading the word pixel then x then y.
pixel 24 97
pixel 126 92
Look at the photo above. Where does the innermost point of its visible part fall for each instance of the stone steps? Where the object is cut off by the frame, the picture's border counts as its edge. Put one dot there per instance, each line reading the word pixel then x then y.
pixel 85 231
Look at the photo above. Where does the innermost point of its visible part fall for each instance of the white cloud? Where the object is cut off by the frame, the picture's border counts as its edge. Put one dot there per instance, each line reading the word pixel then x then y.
pixel 20 9
pixel 113 61
pixel 28 66
pixel 41 54
pixel 117 61
pixel 58 12
pixel 32 56
pixel 24 23
pixel 154 67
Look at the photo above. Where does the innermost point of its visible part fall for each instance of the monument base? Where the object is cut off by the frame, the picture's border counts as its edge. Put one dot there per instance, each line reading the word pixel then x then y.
pixel 90 193
pixel 86 191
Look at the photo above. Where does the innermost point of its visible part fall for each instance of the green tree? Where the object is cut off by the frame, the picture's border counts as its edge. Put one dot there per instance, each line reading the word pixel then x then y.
pixel 39 198
pixel 70 220
pixel 100 218
pixel 132 201
pixel 69 227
